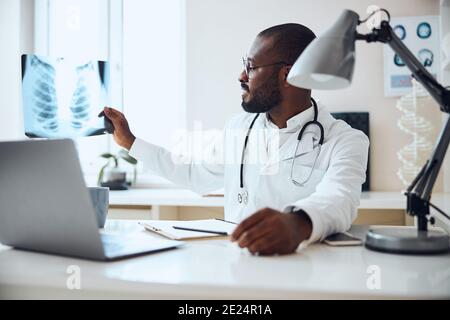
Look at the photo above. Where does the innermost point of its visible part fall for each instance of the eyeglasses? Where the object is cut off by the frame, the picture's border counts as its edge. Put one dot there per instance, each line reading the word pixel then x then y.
pixel 248 68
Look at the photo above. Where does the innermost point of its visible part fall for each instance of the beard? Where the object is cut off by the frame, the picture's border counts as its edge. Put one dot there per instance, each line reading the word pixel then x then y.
pixel 264 98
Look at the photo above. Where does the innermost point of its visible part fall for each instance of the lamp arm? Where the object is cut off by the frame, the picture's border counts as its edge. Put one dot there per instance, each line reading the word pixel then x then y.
pixel 386 35
pixel 419 193
pixel 437 91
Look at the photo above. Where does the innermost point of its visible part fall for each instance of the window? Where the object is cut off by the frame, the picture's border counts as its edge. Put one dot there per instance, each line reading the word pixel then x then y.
pixel 146 37
pixel 82 29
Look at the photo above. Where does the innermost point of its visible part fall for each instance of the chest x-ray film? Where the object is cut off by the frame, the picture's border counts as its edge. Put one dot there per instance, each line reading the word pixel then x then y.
pixel 62 98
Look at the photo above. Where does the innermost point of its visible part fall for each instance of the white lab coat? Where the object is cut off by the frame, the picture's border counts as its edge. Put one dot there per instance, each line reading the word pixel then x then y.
pixel 330 197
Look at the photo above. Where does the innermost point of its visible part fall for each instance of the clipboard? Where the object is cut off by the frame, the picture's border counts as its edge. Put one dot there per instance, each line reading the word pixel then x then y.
pixel 166 228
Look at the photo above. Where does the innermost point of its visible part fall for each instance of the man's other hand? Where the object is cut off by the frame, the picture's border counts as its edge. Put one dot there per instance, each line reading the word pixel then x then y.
pixel 269 232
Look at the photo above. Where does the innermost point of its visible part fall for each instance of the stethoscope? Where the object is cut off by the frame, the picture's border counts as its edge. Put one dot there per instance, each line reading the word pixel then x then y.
pixel 243 194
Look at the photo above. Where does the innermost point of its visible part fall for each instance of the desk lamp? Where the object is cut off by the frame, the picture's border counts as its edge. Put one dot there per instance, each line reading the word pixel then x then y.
pixel 328 63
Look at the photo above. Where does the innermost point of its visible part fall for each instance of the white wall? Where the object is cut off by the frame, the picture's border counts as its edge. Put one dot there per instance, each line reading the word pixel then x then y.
pixel 219 32
pixel 10 118
pixel 153 71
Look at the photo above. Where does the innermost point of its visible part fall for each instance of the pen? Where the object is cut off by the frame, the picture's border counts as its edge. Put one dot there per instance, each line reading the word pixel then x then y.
pixel 226 221
pixel 198 230
pixel 159 231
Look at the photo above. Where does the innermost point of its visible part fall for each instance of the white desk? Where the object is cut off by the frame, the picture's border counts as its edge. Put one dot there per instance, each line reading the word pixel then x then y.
pixel 375 207
pixel 219 269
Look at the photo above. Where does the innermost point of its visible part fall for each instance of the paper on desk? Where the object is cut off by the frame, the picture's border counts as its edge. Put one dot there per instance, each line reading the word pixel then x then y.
pixel 165 228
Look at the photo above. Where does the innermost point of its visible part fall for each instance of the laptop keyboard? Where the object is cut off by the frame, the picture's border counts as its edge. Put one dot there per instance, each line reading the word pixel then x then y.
pixel 123 245
pixel 116 245
pixel 113 244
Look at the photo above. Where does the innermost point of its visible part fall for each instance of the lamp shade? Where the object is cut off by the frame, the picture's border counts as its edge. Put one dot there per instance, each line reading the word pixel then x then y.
pixel 328 61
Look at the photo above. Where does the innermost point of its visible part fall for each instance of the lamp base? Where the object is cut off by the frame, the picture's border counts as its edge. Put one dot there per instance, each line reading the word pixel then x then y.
pixel 407 240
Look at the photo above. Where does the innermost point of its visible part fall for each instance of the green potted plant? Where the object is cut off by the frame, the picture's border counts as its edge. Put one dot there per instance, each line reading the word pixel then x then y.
pixel 112 176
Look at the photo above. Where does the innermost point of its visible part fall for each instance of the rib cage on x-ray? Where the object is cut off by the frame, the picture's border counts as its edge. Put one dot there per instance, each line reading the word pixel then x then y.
pixel 45 108
pixel 62 99
pixel 80 105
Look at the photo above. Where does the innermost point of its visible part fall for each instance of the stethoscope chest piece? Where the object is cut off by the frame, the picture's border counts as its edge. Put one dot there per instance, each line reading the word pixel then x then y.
pixel 243 196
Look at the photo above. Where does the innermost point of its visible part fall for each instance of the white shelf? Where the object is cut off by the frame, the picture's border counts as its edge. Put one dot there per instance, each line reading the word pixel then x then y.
pixel 163 197
pixel 181 197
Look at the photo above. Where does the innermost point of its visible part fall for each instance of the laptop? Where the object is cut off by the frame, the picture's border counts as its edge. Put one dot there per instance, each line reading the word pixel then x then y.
pixel 45 205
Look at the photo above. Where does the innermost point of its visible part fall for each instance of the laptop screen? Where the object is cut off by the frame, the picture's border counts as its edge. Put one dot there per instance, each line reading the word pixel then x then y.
pixel 62 97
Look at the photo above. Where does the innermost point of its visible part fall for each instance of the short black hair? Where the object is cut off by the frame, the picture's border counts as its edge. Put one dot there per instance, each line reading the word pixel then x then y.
pixel 289 40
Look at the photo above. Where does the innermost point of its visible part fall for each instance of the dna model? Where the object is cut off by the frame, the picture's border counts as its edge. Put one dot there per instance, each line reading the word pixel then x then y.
pixel 414 155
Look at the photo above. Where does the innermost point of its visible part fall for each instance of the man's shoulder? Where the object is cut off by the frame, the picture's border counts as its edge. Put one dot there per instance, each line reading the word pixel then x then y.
pixel 335 128
pixel 341 128
pixel 341 134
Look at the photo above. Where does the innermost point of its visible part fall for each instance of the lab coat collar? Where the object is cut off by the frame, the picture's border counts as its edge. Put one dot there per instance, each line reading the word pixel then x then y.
pixel 310 139
pixel 292 124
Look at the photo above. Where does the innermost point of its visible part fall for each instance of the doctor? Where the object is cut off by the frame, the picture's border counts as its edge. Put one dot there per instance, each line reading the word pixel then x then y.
pixel 304 182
